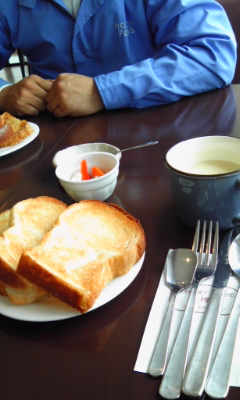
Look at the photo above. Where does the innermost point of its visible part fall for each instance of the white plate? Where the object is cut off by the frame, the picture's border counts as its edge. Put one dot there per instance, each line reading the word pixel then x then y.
pixel 49 309
pixel 30 138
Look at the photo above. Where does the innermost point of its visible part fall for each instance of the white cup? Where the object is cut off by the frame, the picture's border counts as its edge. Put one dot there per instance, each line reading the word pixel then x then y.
pixel 204 176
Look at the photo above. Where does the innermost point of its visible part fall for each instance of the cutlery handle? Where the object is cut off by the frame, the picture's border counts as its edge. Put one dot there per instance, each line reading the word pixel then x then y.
pixel 198 367
pixel 171 384
pixel 158 361
pixel 218 381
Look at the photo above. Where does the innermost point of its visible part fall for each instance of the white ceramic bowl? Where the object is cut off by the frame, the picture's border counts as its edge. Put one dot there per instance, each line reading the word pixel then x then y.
pixel 94 189
pixel 67 154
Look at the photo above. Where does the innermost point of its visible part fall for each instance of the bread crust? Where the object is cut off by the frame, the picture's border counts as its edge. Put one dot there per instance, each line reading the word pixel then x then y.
pixel 3 290
pixel 13 130
pixel 91 244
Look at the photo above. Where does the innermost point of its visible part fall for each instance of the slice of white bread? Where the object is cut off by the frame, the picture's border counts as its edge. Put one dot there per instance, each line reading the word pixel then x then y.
pixel 92 243
pixel 28 222
pixel 4 224
pixel 4 221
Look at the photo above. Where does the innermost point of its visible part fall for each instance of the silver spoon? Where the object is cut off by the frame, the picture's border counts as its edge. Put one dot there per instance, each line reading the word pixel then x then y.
pixel 137 147
pixel 218 381
pixel 181 265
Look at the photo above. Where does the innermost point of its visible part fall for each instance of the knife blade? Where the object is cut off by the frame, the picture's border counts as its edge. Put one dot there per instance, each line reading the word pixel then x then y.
pixel 219 377
pixel 199 364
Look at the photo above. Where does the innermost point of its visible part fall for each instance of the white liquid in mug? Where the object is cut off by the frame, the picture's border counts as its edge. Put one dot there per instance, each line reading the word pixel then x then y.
pixel 212 167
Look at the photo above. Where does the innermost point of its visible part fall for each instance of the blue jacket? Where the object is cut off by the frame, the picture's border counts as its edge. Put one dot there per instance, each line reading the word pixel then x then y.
pixel 141 52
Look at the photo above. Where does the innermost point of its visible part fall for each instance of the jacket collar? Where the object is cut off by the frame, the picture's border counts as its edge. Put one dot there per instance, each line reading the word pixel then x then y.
pixel 85 13
pixel 31 3
pixel 27 3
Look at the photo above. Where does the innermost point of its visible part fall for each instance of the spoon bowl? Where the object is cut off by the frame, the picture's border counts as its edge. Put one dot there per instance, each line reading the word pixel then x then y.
pixel 181 267
pixel 234 255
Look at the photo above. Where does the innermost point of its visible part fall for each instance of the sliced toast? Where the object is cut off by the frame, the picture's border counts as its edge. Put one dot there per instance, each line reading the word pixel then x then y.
pixel 92 243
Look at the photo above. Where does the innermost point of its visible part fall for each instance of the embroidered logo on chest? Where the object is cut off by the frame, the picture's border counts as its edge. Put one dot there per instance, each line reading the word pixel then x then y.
pixel 125 28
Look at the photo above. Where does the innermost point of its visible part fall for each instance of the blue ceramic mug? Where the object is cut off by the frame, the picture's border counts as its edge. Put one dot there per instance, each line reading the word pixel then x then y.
pixel 204 176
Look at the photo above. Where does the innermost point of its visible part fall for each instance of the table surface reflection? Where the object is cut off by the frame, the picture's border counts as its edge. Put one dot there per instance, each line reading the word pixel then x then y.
pixel 91 357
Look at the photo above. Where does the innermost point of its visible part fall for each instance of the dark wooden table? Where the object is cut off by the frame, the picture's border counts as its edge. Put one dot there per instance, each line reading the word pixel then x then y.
pixel 91 357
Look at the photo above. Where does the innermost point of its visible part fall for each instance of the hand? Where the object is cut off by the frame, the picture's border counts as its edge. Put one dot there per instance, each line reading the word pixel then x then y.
pixel 26 96
pixel 73 95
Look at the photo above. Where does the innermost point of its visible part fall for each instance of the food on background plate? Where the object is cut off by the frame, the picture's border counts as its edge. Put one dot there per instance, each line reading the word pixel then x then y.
pixel 91 244
pixel 13 130
pixel 28 221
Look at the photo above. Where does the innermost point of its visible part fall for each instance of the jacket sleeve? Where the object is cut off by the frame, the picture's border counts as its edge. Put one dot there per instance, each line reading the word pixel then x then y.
pixel 6 48
pixel 197 53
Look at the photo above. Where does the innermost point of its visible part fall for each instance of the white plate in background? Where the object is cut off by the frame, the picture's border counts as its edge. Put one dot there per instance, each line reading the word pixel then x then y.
pixel 23 143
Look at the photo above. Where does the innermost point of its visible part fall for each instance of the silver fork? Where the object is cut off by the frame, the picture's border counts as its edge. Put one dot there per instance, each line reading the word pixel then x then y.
pixel 171 384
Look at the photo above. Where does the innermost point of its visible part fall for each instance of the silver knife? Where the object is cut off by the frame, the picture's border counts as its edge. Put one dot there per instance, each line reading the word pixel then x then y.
pixel 199 364
pixel 218 381
pixel 219 377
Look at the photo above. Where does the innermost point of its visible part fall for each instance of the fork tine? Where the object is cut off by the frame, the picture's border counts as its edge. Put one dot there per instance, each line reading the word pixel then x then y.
pixel 208 245
pixel 196 238
pixel 215 245
pixel 202 244
pixel 205 248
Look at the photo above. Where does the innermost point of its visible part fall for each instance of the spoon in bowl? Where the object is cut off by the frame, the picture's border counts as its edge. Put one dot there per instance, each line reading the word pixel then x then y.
pixel 137 147
pixel 219 377
pixel 181 265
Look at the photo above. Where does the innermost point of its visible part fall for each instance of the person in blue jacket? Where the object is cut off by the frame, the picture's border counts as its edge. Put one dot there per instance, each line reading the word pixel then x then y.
pixel 89 55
